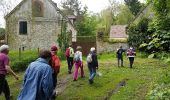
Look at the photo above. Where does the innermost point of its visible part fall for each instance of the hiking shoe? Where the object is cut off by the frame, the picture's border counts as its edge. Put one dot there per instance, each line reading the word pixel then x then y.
pixel 69 72
pixel 90 81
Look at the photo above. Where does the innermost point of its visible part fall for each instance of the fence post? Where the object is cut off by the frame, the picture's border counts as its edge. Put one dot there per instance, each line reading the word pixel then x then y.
pixel 19 53
pixel 38 50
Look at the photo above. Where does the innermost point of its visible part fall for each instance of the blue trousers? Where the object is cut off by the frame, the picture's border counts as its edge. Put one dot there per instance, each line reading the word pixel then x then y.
pixel 92 71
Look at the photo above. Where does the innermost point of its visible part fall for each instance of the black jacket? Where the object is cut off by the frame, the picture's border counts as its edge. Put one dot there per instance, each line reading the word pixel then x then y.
pixel 94 62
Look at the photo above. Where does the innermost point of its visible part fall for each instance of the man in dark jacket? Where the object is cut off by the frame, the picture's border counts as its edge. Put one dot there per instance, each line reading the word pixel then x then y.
pixel 92 65
pixel 120 56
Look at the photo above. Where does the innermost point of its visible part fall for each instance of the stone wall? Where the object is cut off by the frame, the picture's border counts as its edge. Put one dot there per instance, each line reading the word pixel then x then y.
pixel 108 47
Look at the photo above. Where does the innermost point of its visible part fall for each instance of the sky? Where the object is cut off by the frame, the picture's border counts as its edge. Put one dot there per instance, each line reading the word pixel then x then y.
pixel 93 5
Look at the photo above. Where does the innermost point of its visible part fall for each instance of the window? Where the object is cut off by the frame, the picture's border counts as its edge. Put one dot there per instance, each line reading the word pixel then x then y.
pixel 23 27
pixel 37 9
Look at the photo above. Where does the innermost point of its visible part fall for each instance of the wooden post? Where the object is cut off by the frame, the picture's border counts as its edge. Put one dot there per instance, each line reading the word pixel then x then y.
pixel 38 50
pixel 19 53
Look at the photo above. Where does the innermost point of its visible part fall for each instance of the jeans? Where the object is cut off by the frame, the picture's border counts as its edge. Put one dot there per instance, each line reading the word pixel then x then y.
pixel 120 60
pixel 70 64
pixel 4 87
pixel 92 71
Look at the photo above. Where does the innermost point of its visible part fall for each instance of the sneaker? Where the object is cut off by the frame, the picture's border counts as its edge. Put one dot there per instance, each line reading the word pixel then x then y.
pixel 90 81
pixel 69 72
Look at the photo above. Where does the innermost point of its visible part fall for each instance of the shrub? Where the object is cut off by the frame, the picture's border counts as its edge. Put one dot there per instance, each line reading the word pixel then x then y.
pixel 161 91
pixel 20 63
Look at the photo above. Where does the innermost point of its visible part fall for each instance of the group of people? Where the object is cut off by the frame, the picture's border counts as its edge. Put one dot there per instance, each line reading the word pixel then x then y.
pixel 40 77
pixel 76 59
pixel 130 54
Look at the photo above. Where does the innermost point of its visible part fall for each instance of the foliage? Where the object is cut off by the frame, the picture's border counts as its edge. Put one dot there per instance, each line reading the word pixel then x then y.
pixel 159 28
pixel 63 38
pixel 124 16
pixel 72 7
pixel 107 39
pixel 106 20
pixel 2 31
pixel 20 63
pixel 134 6
pixel 138 33
pixel 161 90
pixel 85 23
pixel 87 26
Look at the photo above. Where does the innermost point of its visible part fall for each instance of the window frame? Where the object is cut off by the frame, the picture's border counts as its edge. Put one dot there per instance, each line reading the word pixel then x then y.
pixel 19 26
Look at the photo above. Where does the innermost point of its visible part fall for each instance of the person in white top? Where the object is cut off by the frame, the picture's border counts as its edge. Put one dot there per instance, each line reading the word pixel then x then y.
pixel 78 63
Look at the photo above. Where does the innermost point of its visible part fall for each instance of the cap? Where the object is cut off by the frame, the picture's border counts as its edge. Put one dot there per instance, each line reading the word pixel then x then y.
pixel 54 48
pixel 4 47
pixel 92 49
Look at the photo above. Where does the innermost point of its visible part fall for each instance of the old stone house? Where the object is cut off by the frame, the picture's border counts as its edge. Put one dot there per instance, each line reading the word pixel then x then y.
pixel 36 24
pixel 118 32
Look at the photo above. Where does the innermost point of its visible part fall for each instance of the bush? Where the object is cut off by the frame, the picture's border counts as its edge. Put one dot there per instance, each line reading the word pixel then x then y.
pixel 161 91
pixel 20 63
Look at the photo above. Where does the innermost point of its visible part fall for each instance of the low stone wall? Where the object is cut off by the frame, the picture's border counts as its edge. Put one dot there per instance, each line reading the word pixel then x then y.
pixel 108 47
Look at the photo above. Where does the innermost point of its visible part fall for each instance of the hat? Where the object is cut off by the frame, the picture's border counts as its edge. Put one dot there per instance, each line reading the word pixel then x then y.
pixel 92 49
pixel 4 47
pixel 54 48
pixel 78 48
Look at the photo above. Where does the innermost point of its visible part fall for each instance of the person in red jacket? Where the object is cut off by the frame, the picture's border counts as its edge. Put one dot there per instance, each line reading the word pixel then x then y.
pixel 55 63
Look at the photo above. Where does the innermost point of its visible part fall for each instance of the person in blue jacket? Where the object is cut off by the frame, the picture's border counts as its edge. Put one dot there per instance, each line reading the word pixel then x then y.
pixel 38 81
pixel 92 65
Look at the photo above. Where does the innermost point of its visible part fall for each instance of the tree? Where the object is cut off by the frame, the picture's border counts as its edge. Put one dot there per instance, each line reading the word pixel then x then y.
pixel 73 7
pixel 87 26
pixel 106 20
pixel 124 16
pixel 134 6
pixel 2 31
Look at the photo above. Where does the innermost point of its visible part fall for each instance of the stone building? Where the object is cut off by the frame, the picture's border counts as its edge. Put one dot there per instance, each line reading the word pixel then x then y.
pixel 36 24
pixel 118 32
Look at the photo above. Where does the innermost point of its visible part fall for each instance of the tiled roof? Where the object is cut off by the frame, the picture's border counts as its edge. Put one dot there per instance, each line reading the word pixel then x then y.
pixel 118 31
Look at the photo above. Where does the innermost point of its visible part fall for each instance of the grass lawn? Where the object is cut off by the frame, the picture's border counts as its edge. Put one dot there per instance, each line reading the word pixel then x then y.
pixel 114 84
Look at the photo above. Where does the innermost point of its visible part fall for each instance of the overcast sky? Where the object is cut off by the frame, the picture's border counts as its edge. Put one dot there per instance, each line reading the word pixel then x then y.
pixel 93 5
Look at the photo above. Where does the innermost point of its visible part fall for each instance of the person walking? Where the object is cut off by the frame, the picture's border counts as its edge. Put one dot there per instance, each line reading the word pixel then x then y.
pixel 69 55
pixel 55 63
pixel 120 56
pixel 4 68
pixel 131 55
pixel 38 80
pixel 92 63
pixel 78 63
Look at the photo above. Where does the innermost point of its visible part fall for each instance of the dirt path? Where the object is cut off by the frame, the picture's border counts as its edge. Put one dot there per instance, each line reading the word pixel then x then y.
pixel 62 83
pixel 116 89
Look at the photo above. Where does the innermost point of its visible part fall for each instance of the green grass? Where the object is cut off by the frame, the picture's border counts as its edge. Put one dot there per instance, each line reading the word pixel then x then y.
pixel 141 79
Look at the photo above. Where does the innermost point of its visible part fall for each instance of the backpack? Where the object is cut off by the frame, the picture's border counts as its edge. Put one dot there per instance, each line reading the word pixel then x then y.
pixel 67 53
pixel 76 57
pixel 89 58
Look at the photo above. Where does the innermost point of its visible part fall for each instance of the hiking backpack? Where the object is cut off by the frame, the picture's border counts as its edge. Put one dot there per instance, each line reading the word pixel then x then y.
pixel 67 53
pixel 89 58
pixel 76 57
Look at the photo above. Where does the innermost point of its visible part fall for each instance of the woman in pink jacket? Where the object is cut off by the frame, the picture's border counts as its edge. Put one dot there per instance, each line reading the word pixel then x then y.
pixel 131 55
pixel 78 63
